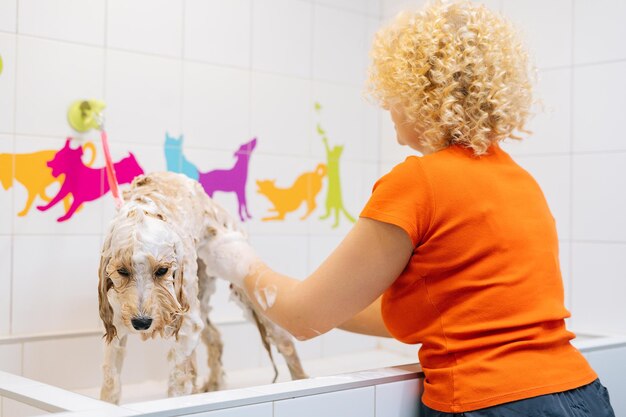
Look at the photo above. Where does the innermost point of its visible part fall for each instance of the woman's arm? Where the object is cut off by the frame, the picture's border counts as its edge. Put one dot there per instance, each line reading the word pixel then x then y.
pixel 368 322
pixel 353 277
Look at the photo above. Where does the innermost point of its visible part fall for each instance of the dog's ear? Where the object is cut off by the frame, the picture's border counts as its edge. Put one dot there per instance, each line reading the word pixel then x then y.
pixel 179 289
pixel 104 284
pixel 181 296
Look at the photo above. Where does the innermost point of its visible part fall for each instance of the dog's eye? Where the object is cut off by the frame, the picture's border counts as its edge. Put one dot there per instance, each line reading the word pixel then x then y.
pixel 123 272
pixel 161 271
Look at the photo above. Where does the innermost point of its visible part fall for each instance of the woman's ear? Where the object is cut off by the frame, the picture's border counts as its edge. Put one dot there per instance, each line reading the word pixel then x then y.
pixel 104 284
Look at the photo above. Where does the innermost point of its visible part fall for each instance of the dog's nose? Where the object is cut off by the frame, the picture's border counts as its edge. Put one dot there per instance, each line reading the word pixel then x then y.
pixel 141 323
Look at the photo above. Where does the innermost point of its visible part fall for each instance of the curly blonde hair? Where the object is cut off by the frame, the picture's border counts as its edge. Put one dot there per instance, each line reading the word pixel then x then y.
pixel 457 71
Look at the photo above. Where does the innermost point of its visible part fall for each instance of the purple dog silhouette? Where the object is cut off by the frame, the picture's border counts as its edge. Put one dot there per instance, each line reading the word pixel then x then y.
pixel 231 180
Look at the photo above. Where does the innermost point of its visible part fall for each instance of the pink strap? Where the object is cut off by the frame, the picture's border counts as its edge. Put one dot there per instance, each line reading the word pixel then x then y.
pixel 110 169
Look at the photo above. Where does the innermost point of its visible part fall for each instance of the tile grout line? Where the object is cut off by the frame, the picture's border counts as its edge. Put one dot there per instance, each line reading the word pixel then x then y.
pixel 14 143
pixel 572 126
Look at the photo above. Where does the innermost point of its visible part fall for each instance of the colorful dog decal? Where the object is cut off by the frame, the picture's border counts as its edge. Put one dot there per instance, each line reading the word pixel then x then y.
pixel 334 200
pixel 176 160
pixel 227 180
pixel 31 170
pixel 82 182
pixel 233 179
pixel 285 200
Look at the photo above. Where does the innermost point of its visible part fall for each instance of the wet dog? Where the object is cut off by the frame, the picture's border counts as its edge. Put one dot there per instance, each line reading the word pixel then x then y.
pixel 153 282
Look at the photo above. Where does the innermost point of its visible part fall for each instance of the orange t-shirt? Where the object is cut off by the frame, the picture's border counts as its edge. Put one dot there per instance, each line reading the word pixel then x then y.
pixel 482 291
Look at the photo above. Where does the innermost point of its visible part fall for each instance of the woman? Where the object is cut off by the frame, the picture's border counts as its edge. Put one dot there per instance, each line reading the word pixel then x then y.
pixel 456 249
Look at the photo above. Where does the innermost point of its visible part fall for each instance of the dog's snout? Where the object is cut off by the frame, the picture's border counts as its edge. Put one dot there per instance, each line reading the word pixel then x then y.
pixel 141 323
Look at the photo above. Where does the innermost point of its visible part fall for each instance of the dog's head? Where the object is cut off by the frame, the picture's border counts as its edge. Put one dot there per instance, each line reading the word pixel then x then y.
pixel 246 149
pixel 65 158
pixel 141 285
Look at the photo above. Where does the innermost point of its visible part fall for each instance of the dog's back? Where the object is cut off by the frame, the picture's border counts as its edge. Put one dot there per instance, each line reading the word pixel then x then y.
pixel 178 197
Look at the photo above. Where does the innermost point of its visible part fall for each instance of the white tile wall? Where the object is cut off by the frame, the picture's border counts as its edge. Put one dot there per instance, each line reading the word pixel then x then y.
pixel 350 403
pixel 598 283
pixel 77 73
pixel 216 108
pixel 65 363
pixel 207 23
pixel 599 30
pixel 369 7
pixel 6 265
pixel 337 52
pixel 8 15
pixel 550 124
pixel 347 119
pixel 597 124
pixel 389 8
pixel 597 201
pixel 7 82
pixel 11 358
pixel 161 30
pixel 241 355
pixel 285 254
pixel 547 28
pixel 398 399
pixel 143 96
pixel 6 201
pixel 282 36
pixel 145 360
pixel 81 21
pixel 58 291
pixel 282 111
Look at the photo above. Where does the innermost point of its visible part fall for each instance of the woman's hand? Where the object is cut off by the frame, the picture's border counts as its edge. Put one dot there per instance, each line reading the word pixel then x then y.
pixel 231 257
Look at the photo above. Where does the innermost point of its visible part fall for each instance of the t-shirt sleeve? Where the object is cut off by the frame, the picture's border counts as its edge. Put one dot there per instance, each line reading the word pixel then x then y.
pixel 403 197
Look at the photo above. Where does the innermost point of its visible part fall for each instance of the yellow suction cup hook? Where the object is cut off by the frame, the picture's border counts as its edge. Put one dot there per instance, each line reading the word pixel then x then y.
pixel 86 114
pixel 0 64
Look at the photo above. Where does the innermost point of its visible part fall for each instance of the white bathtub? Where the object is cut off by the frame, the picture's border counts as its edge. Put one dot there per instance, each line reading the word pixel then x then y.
pixel 382 382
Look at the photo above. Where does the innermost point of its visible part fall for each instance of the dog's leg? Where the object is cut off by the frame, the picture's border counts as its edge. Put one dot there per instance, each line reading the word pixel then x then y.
pixel 112 368
pixel 311 205
pixel 29 203
pixel 271 333
pixel 64 191
pixel 284 343
pixel 210 335
pixel 73 207
pixel 182 356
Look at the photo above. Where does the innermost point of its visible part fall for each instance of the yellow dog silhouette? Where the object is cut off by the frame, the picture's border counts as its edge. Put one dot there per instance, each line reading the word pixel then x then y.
pixel 285 200
pixel 31 171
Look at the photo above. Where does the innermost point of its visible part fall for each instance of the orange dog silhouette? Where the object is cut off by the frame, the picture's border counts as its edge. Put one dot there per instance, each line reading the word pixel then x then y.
pixel 285 200
pixel 31 170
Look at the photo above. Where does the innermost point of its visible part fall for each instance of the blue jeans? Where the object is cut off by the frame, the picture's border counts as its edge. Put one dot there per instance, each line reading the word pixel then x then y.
pixel 590 400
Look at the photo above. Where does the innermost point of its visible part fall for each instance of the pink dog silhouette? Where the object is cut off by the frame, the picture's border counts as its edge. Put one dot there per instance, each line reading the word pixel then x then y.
pixel 84 183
